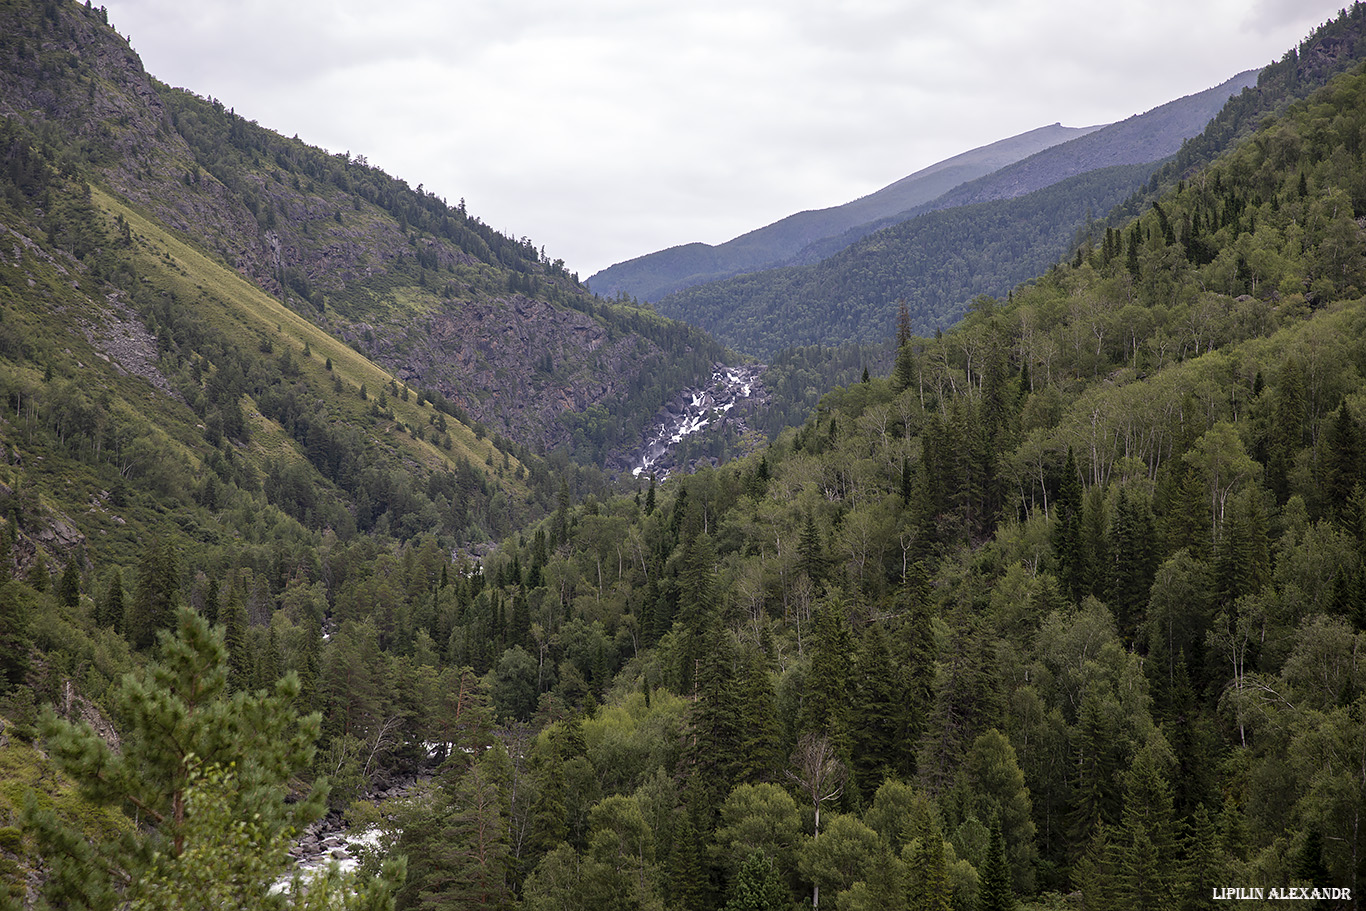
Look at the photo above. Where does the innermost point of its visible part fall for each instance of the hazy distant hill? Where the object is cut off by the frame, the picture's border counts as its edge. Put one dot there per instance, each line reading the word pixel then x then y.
pixel 1146 137
pixel 1001 170
pixel 1140 139
pixel 652 276
pixel 939 261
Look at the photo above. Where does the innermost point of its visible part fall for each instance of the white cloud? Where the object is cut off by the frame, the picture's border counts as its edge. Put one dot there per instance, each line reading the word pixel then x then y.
pixel 605 129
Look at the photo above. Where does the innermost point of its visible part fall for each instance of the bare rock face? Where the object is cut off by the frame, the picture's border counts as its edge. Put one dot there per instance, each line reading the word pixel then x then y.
pixel 124 341
pixel 42 532
pixel 515 363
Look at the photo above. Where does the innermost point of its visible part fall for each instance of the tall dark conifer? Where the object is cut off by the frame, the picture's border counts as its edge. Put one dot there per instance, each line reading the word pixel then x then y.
pixel 877 706
pixel 157 595
pixel 716 731
pixel 69 585
pixel 995 892
pixel 916 654
pixel 697 611
pixel 760 748
pixel 1342 462
pixel 1135 560
pixel 1068 545
pixel 826 707
pixel 1287 427
pixel 111 609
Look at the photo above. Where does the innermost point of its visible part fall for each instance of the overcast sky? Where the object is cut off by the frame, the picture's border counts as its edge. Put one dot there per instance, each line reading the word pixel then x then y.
pixel 606 129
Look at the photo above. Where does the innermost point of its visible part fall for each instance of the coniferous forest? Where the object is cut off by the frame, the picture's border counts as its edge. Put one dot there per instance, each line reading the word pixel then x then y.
pixel 1064 608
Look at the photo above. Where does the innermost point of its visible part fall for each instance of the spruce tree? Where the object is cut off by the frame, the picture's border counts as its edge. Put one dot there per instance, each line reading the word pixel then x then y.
pixel 757 887
pixel 715 723
pixel 760 748
pixel 69 586
pixel 928 880
pixel 110 609
pixel 1242 558
pixel 1146 845
pixel 877 707
pixel 156 596
pixel 1135 560
pixel 1287 427
pixel 1096 800
pixel 995 892
pixel 17 604
pixel 685 872
pixel 917 652
pixel 1342 462
pixel 1203 861
pixel 811 553
pixel 826 704
pixel 235 639
pixel 1067 531
pixel 697 613
pixel 38 577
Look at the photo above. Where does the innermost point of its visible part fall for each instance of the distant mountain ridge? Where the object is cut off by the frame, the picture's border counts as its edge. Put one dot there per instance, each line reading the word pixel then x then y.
pixel 939 262
pixel 652 276
pixel 1141 139
pixel 1005 169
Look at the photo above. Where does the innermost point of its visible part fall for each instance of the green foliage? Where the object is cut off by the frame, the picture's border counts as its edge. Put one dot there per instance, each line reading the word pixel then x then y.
pixel 206 775
pixel 756 887
pixel 996 893
pixel 1090 562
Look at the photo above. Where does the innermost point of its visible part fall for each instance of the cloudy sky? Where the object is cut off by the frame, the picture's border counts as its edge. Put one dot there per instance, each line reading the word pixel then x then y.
pixel 606 129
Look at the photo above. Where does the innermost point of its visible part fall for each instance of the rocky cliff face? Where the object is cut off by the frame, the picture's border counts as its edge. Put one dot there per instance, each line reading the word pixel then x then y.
pixel 514 363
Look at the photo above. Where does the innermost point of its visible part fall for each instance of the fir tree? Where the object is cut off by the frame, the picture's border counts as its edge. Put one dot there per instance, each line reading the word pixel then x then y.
pixel 995 892
pixel 757 887
pixel 760 756
pixel 69 586
pixel 111 609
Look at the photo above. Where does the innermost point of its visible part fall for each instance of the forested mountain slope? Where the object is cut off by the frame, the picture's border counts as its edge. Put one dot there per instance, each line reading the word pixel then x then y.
pixel 1077 592
pixel 938 263
pixel 1072 602
pixel 423 288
